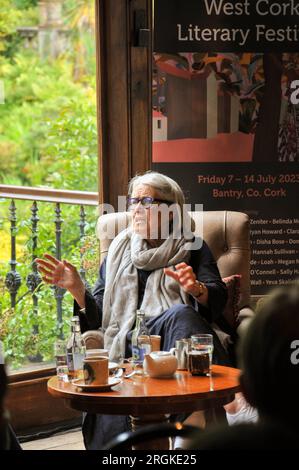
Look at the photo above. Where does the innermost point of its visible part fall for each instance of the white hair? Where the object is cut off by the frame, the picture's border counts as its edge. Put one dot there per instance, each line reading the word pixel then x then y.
pixel 166 187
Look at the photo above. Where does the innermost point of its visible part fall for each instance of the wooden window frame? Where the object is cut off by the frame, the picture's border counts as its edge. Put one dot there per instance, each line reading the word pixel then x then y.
pixel 124 95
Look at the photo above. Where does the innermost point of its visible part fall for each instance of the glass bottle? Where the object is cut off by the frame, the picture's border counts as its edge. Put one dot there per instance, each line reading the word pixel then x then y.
pixel 141 342
pixel 75 351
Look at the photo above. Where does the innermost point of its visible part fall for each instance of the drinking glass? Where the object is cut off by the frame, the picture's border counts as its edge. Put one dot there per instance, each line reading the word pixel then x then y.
pixel 200 354
pixel 62 373
pixel 60 353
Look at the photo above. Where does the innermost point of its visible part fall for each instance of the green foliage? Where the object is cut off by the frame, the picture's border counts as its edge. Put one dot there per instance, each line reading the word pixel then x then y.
pixel 54 122
pixel 48 137
pixel 25 4
pixel 17 326
pixel 9 18
pixel 48 120
pixel 72 138
pixel 12 15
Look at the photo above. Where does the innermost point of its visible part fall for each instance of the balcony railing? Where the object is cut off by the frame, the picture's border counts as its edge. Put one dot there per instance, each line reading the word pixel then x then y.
pixel 38 196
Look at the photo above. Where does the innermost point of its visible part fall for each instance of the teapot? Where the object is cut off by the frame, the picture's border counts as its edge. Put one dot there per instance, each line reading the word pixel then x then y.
pixel 160 364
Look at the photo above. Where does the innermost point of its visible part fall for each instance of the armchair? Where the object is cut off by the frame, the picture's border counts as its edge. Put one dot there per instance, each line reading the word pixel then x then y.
pixel 226 233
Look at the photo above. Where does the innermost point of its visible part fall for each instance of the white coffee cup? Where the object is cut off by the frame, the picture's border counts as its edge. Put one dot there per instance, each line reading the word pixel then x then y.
pixel 95 370
pixel 96 353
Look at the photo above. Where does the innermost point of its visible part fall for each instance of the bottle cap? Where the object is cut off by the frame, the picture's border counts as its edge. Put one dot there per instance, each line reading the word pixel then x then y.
pixel 75 324
pixel 75 319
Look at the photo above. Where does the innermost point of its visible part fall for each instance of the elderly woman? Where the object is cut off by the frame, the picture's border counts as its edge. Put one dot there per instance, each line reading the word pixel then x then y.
pixel 178 287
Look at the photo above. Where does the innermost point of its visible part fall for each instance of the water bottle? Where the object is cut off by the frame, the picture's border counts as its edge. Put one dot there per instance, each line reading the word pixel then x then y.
pixel 75 351
pixel 141 342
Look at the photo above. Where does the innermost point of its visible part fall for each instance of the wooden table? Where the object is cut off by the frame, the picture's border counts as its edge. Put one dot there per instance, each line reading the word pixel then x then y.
pixel 149 400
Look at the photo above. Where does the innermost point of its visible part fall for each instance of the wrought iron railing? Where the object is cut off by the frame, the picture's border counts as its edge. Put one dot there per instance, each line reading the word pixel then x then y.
pixel 13 279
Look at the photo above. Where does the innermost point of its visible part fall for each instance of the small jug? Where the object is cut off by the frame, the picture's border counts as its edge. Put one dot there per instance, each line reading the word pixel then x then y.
pixel 180 351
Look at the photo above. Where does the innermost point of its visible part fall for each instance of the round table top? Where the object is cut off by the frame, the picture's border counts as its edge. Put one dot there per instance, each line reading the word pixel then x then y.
pixel 144 395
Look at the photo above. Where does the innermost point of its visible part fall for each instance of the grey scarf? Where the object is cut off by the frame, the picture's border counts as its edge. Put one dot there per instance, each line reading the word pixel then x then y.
pixel 127 253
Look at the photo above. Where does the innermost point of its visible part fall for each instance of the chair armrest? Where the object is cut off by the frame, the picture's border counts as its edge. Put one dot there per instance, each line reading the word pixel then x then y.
pixel 94 339
pixel 224 338
pixel 246 314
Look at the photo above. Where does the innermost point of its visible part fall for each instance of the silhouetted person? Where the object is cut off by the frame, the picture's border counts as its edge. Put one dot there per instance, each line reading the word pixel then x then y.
pixel 269 356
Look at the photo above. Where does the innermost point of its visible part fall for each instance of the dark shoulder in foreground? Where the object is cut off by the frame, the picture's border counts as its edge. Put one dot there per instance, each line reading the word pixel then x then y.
pixel 259 436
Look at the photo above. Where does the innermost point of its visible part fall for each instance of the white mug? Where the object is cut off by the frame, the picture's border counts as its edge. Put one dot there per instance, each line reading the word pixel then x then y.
pixel 96 353
pixel 95 370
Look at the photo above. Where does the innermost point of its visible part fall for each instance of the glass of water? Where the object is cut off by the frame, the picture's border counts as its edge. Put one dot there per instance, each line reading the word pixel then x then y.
pixel 60 353
pixel 62 373
pixel 200 354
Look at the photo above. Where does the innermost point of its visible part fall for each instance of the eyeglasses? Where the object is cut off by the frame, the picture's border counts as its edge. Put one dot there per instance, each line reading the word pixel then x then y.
pixel 146 202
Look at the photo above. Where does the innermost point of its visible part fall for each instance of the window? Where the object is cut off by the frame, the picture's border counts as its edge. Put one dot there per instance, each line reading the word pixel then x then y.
pixel 48 139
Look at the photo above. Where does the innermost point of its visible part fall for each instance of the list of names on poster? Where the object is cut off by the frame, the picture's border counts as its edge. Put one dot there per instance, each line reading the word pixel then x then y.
pixel 275 249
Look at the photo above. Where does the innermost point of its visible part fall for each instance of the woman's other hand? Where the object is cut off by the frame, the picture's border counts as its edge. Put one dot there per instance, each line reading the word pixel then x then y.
pixel 186 277
pixel 62 274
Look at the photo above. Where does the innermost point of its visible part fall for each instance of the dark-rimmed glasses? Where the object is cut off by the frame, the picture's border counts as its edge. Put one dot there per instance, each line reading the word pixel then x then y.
pixel 146 202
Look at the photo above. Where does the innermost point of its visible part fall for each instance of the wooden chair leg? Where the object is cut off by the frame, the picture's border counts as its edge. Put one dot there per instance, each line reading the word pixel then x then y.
pixel 156 444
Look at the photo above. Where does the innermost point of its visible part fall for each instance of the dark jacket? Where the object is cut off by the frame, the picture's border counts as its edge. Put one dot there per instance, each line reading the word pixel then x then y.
pixel 205 268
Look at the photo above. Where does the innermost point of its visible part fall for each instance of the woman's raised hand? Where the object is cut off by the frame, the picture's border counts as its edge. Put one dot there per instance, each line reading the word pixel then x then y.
pixel 185 276
pixel 59 273
pixel 62 274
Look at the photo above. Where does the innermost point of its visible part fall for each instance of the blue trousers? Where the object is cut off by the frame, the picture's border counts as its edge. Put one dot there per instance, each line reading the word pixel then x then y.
pixel 179 321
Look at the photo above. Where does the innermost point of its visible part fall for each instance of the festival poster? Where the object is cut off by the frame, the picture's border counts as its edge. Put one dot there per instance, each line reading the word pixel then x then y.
pixel 226 119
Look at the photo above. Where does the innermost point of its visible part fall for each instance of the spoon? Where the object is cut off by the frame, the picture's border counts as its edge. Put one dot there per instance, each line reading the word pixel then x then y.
pixel 127 376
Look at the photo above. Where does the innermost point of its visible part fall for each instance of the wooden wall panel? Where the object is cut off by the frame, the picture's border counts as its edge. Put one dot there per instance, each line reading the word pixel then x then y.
pixel 31 406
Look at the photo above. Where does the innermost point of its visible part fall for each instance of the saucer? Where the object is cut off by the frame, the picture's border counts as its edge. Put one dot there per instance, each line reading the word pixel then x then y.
pixel 90 387
pixel 112 366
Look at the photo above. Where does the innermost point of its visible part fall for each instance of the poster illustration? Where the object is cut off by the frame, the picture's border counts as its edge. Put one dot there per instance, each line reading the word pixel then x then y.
pixel 226 124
